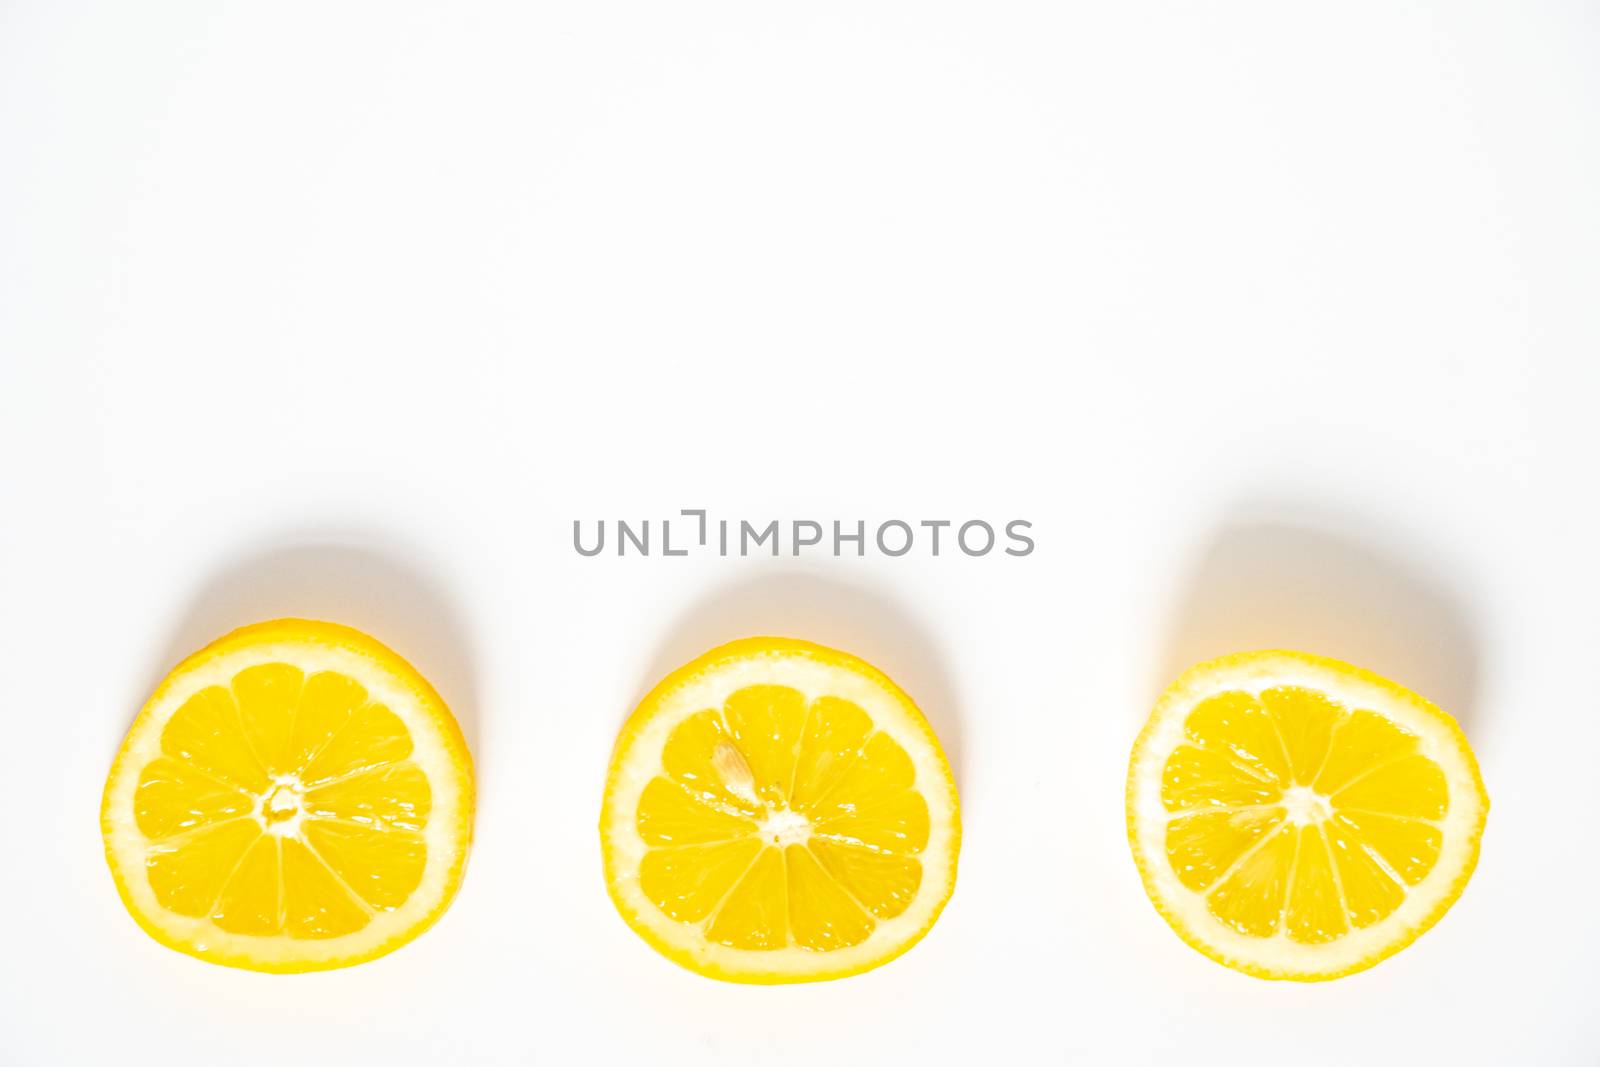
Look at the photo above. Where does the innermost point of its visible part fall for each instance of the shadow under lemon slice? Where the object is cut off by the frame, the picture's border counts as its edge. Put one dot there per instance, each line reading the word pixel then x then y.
pixel 777 811
pixel 1296 817
pixel 293 797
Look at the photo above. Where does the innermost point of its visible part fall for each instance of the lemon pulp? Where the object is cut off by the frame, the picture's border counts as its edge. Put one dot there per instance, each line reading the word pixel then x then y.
pixel 782 821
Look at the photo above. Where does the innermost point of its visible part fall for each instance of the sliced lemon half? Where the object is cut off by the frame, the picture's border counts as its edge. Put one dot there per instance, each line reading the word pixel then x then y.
pixel 777 811
pixel 293 797
pixel 1296 817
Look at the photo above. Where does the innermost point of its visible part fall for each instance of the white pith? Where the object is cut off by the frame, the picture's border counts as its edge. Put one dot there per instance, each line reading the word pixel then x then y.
pixel 783 827
pixel 1305 806
pixel 639 762
pixel 1280 955
pixel 446 832
pixel 279 809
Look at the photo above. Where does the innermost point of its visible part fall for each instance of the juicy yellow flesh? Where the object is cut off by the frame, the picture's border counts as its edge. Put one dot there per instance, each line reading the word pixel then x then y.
pixel 779 822
pixel 1298 817
pixel 283 804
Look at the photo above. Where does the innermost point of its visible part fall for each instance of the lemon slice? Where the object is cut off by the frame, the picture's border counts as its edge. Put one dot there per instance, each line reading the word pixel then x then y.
pixel 1296 817
pixel 294 797
pixel 778 811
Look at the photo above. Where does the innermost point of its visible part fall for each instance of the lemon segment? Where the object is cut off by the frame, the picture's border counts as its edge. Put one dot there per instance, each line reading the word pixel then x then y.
pixel 293 797
pixel 779 812
pixel 1295 817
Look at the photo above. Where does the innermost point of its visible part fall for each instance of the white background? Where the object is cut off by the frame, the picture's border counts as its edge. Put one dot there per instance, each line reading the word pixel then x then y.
pixel 1278 321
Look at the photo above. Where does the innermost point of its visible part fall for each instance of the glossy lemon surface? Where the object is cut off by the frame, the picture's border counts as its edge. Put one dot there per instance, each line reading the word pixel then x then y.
pixel 1296 817
pixel 778 811
pixel 293 797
